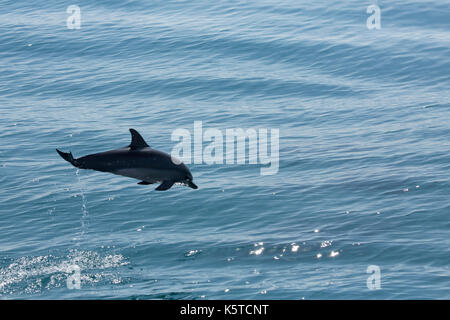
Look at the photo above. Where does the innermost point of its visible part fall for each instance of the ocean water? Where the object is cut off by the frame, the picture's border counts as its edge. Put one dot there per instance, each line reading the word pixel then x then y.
pixel 364 162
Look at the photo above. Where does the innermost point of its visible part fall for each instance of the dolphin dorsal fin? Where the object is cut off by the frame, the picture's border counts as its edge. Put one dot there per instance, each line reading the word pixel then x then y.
pixel 137 141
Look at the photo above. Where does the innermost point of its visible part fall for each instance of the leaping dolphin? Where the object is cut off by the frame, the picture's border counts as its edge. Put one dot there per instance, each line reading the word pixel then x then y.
pixel 139 161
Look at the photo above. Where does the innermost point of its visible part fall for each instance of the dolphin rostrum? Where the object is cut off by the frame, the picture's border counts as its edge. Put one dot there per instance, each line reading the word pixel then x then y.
pixel 139 161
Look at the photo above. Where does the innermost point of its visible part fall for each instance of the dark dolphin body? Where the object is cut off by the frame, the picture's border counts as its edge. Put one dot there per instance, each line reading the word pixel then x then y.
pixel 137 161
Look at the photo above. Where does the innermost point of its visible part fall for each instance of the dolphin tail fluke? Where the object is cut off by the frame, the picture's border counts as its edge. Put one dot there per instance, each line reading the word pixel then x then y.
pixel 68 157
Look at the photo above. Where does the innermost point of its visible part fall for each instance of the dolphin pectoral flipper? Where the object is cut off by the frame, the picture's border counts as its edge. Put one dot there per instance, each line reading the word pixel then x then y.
pixel 137 142
pixel 166 185
pixel 68 157
pixel 145 183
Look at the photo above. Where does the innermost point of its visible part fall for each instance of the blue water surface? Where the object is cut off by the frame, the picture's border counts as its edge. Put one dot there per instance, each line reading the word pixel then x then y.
pixel 364 162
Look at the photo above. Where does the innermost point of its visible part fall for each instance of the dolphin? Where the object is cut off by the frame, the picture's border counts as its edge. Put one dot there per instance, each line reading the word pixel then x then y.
pixel 139 161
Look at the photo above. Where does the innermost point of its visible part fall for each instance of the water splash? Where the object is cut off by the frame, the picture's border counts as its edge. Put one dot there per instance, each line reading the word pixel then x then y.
pixel 84 210
pixel 35 274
